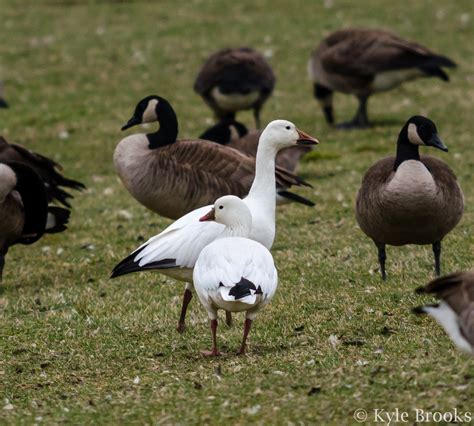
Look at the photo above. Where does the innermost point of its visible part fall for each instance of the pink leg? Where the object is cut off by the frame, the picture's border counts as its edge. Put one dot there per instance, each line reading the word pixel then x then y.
pixel 187 296
pixel 247 325
pixel 214 351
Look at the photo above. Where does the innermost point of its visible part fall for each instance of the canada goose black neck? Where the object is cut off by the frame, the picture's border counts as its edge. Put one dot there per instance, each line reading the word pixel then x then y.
pixel 405 149
pixel 168 131
pixel 224 131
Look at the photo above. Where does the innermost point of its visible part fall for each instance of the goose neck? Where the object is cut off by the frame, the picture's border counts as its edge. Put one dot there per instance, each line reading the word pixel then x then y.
pixel 237 230
pixel 264 183
pixel 168 131
pixel 405 150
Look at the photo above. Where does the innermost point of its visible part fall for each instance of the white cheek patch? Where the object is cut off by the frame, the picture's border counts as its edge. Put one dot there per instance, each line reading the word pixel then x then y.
pixel 413 135
pixel 149 115
pixel 234 134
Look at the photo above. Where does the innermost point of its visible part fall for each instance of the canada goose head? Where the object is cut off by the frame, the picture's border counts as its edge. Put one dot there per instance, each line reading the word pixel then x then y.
pixel 225 132
pixel 155 108
pixel 420 130
pixel 230 211
pixel 148 110
pixel 324 96
pixel 282 134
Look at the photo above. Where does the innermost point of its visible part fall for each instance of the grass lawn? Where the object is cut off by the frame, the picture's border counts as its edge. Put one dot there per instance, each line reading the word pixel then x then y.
pixel 77 347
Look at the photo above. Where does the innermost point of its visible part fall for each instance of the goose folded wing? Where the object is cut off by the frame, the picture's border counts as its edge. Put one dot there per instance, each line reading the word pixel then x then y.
pixel 33 196
pixel 178 246
pixel 365 54
pixel 467 323
pixel 233 64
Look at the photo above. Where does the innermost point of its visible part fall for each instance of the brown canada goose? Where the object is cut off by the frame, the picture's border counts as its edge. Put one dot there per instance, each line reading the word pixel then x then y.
pixel 235 79
pixel 362 61
pixel 235 135
pixel 24 212
pixel 44 167
pixel 455 312
pixel 173 177
pixel 408 199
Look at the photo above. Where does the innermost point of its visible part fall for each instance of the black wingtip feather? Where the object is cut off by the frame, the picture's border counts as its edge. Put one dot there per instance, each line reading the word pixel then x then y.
pixel 418 310
pixel 296 198
pixel 420 290
pixel 242 289
pixel 61 219
pixel 128 265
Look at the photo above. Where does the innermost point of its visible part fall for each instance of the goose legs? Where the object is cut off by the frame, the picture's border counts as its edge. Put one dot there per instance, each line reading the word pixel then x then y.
pixel 382 258
pixel 360 120
pixel 247 326
pixel 256 116
pixel 2 264
pixel 228 318
pixel 214 351
pixel 437 255
pixel 187 296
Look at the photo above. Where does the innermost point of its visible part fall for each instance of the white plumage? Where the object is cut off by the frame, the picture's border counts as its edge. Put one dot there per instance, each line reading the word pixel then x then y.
pixel 223 263
pixel 174 251
pixel 234 273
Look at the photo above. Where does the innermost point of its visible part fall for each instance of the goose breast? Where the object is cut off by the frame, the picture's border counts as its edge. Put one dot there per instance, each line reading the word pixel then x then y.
pixel 418 204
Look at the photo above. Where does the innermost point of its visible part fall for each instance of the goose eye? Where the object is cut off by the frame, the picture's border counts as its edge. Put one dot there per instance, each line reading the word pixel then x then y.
pixel 288 127
pixel 221 207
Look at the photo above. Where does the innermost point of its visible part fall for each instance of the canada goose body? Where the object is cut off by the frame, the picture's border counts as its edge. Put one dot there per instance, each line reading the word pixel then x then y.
pixel 410 199
pixel 173 177
pixel 24 212
pixel 455 312
pixel 46 168
pixel 234 134
pixel 235 79
pixel 362 62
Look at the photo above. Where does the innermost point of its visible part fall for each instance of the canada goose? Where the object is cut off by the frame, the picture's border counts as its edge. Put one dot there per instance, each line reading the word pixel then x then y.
pixel 44 167
pixel 233 273
pixel 235 79
pixel 24 212
pixel 455 312
pixel 174 251
pixel 3 102
pixel 363 61
pixel 235 135
pixel 173 177
pixel 410 199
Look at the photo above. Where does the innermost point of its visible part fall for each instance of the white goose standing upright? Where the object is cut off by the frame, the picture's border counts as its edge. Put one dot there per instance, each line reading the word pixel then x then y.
pixel 175 250
pixel 234 273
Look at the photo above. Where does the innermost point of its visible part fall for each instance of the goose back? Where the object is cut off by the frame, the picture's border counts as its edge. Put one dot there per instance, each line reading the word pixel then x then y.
pixel 421 209
pixel 362 61
pixel 241 71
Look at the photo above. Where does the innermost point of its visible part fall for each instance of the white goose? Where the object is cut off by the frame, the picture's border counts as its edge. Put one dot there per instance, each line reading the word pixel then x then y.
pixel 233 273
pixel 174 251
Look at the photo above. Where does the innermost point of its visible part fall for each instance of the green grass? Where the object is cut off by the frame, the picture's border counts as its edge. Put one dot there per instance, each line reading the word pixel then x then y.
pixel 73 341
